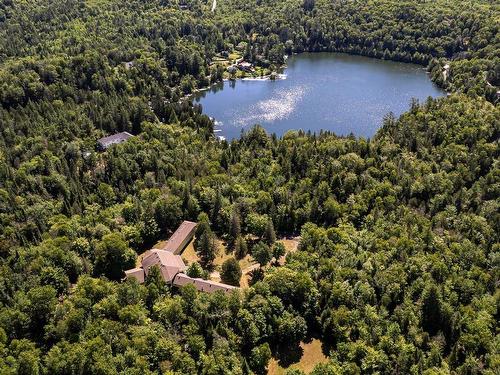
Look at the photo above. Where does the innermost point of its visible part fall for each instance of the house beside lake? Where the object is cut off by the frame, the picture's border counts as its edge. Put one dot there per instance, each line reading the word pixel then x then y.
pixel 171 265
pixel 245 66
pixel 105 142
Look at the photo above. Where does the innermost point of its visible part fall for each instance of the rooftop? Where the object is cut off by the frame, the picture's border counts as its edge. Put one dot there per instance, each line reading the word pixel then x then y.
pixel 172 266
pixel 169 263
pixel 113 139
pixel 200 284
pixel 181 237
pixel 137 273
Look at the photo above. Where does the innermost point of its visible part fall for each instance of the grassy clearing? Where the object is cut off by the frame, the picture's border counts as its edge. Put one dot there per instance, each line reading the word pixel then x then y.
pixel 291 244
pixel 312 354
pixel 189 255
pixel 234 56
pixel 247 263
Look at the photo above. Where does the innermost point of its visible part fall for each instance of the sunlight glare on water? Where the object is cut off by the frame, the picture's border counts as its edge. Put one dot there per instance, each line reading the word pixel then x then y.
pixel 330 91
pixel 278 107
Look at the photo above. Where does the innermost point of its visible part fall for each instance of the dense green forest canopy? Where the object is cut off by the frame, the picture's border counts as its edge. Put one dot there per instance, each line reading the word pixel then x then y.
pixel 398 264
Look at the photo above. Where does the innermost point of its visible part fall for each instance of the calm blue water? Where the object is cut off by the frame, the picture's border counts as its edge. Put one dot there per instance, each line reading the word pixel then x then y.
pixel 337 92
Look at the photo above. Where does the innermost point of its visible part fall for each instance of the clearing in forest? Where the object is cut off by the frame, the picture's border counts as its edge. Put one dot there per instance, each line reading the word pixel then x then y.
pixel 311 354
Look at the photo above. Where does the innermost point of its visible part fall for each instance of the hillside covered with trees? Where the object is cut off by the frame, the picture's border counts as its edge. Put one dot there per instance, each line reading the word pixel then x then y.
pixel 397 270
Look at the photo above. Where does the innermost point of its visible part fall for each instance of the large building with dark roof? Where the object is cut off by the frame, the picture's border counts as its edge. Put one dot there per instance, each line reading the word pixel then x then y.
pixel 114 139
pixel 171 265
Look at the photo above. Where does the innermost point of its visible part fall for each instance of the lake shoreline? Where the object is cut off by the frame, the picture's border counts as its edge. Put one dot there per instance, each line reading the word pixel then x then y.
pixel 335 92
pixel 266 77
pixel 283 67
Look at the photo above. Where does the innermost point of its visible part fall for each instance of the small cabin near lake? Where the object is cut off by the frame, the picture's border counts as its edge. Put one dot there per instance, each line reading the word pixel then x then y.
pixel 106 142
pixel 245 66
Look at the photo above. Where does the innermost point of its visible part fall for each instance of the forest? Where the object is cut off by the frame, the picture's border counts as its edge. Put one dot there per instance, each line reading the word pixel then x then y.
pixel 398 266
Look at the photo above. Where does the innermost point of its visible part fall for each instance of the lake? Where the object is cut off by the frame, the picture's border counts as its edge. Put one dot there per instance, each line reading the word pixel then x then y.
pixel 330 91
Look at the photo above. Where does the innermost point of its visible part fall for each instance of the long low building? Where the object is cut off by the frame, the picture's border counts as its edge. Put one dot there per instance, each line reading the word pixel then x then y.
pixel 181 237
pixel 202 285
pixel 171 265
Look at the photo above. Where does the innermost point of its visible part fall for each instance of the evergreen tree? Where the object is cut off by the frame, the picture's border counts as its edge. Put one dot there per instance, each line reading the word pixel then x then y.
pixel 203 225
pixel 431 310
pixel 205 243
pixel 262 253
pixel 155 285
pixel 269 234
pixel 235 227
pixel 231 272
pixel 240 247
pixel 206 249
pixel 217 205
pixel 278 250
pixel 173 119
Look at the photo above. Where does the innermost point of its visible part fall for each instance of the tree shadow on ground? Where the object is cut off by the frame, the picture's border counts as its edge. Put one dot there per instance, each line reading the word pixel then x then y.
pixel 326 345
pixel 287 355
pixel 327 348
